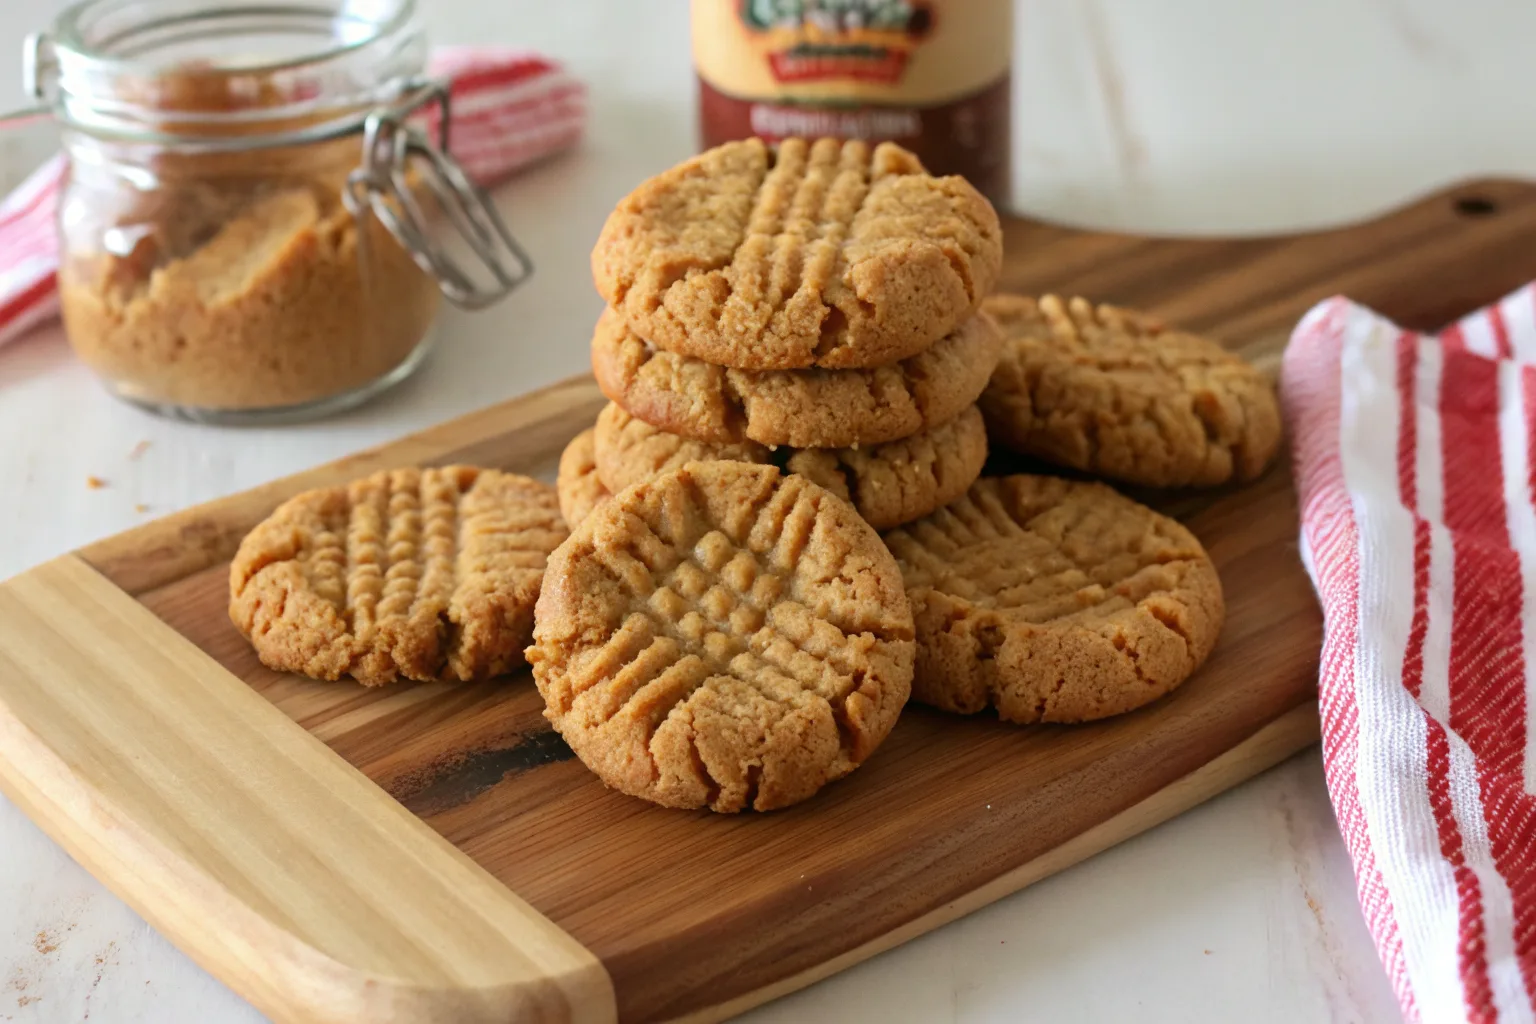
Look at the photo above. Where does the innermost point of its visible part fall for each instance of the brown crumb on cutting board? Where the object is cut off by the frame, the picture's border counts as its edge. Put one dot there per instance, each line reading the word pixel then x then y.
pixel 95 483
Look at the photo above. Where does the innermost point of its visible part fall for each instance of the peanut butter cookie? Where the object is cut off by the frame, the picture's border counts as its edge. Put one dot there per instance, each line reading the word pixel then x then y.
pixel 814 254
pixel 723 636
pixel 801 408
pixel 424 574
pixel 1116 393
pixel 889 484
pixel 580 488
pixel 1054 601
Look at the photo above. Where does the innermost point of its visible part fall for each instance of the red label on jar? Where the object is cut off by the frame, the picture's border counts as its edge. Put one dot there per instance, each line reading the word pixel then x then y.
pixel 789 66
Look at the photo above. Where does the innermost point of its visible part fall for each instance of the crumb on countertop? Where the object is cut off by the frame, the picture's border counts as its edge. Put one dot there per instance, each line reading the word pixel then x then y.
pixel 95 483
pixel 141 508
pixel 137 450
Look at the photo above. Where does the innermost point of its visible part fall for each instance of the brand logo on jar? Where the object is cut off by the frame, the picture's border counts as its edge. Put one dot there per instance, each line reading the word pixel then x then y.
pixel 816 40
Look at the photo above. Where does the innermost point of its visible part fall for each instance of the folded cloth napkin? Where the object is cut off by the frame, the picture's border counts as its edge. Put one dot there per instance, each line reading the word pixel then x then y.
pixel 509 107
pixel 1415 459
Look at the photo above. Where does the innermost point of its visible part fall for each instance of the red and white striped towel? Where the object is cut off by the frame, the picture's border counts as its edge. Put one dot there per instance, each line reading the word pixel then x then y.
pixel 510 109
pixel 1416 466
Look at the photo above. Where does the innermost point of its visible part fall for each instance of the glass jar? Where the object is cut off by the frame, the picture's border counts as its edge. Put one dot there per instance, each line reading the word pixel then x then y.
pixel 247 225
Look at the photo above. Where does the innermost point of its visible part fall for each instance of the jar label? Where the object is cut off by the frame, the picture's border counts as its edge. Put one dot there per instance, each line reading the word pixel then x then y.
pixel 871 51
pixel 932 76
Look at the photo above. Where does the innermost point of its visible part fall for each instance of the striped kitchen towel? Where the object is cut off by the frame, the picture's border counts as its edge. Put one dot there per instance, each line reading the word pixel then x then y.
pixel 510 108
pixel 1416 467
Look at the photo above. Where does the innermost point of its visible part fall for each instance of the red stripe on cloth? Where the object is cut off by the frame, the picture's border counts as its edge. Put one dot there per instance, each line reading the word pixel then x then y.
pixel 41 202
pixel 1511 816
pixel 1452 340
pixel 1513 801
pixel 1471 928
pixel 38 187
pixel 1469 438
pixel 1528 395
pixel 492 129
pixel 1407 420
pixel 532 112
pixel 519 95
pixel 39 206
pixel 469 81
pixel 1500 330
pixel 1471 931
pixel 1487 671
pixel 1418 629
pixel 36 236
pixel 34 293
pixel 510 153
pixel 570 97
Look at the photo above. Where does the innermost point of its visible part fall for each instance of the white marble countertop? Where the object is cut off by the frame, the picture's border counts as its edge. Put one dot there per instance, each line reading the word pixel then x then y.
pixel 1176 116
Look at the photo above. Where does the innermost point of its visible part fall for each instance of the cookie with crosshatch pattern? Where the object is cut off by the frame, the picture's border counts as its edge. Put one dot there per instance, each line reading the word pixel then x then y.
pixel 421 574
pixel 723 636
pixel 1054 601
pixel 1117 393
pixel 825 253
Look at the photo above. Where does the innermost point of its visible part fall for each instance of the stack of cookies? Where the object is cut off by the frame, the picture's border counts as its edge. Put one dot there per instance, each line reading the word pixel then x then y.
pixel 777 529
pixel 792 338
pixel 813 307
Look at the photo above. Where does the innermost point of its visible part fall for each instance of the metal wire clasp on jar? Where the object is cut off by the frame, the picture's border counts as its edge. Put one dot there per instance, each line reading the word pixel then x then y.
pixel 256 223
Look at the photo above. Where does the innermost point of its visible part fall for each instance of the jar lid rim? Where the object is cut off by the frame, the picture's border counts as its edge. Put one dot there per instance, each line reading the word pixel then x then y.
pixel 69 35
pixel 92 76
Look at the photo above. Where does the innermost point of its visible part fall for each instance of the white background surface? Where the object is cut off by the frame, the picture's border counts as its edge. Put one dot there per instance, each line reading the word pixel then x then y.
pixel 1156 115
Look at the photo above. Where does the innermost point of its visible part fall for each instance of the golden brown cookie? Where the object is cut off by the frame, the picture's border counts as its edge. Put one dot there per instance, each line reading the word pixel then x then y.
pixel 424 574
pixel 801 408
pixel 816 254
pixel 1114 392
pixel 1054 601
pixel 889 484
pixel 723 636
pixel 580 488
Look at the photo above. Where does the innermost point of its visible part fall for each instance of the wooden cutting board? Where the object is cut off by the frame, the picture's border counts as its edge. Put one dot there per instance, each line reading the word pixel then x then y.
pixel 435 853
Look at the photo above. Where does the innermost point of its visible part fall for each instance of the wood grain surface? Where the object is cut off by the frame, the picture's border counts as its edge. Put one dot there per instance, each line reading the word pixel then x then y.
pixel 278 866
pixel 698 916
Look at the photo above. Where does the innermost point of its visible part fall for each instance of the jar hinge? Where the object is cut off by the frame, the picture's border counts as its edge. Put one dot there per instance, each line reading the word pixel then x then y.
pixel 391 148
pixel 37 60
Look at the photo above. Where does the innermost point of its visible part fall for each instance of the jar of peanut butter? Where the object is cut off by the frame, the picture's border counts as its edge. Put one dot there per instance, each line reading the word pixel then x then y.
pixel 932 75
pixel 250 225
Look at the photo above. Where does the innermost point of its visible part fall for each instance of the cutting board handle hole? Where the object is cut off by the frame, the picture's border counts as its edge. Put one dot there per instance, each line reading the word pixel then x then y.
pixel 1476 206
